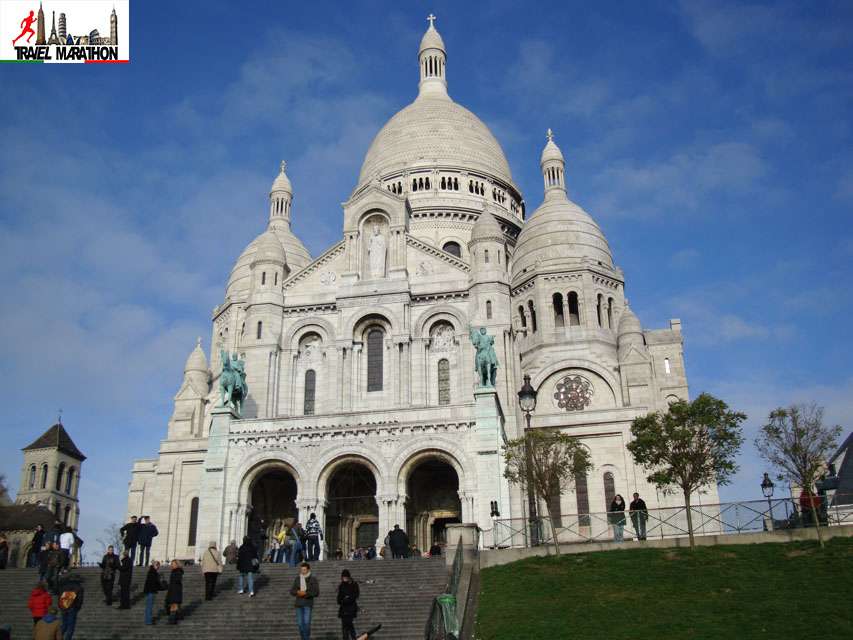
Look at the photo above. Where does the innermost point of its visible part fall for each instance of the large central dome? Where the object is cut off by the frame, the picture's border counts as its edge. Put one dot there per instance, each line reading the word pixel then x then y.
pixel 434 130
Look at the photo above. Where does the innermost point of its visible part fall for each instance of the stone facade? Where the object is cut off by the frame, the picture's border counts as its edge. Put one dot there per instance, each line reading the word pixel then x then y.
pixel 363 404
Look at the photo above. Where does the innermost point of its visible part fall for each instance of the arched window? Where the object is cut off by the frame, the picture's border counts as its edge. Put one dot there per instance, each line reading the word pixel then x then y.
pixel 555 509
pixel 69 481
pixel 521 317
pixel 444 381
pixel 310 392
pixel 609 313
pixel 557 301
pixel 574 309
pixel 599 310
pixel 57 509
pixel 456 184
pixel 44 476
pixel 414 184
pixel 263 277
pixel 275 281
pixel 426 183
pixel 193 522
pixel 66 515
pixel 470 186
pixel 582 494
pixel 32 482
pixel 609 490
pixel 488 309
pixel 375 339
pixel 453 248
pixel 486 256
pixel 532 315
pixel 59 473
pixel 666 366
pixel 443 183
pixel 260 331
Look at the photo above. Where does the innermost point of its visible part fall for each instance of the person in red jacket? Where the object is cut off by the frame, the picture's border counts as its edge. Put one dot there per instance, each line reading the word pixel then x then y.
pixel 39 602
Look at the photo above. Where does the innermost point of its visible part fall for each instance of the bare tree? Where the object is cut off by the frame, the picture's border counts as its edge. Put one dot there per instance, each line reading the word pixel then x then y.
pixel 796 442
pixel 689 447
pixel 549 461
pixel 111 536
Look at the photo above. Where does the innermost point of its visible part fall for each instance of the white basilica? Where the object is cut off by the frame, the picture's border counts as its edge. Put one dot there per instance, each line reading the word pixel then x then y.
pixel 363 405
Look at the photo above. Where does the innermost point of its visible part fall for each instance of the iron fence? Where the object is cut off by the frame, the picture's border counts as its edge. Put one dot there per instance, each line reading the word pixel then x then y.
pixel 671 522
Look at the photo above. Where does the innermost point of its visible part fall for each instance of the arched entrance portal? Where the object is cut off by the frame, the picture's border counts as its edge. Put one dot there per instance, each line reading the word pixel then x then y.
pixel 352 515
pixel 273 501
pixel 432 503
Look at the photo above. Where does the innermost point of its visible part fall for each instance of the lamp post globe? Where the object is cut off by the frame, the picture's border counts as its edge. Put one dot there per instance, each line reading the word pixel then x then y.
pixel 527 402
pixel 767 489
pixel 527 398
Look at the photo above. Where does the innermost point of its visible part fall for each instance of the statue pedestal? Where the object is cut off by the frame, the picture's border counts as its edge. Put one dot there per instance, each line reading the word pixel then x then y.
pixel 211 499
pixel 489 439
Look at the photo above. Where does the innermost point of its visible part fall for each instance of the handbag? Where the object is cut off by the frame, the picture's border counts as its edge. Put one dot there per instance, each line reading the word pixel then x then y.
pixel 255 563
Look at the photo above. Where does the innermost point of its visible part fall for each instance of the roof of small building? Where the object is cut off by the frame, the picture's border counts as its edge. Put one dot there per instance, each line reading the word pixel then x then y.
pixel 25 517
pixel 56 437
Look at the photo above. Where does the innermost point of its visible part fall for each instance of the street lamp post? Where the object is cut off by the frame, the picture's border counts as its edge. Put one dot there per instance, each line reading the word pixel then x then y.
pixel 527 402
pixel 767 489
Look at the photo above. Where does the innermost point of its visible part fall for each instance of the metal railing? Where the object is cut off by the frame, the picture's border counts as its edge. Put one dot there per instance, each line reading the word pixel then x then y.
pixel 671 522
pixel 444 622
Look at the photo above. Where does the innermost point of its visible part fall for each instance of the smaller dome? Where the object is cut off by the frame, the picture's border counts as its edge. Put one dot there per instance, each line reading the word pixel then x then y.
pixel 486 228
pixel 269 249
pixel 196 361
pixel 551 150
pixel 432 39
pixel 282 182
pixel 630 331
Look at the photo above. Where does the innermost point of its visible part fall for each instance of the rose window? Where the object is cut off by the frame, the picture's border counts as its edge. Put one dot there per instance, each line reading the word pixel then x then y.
pixel 573 393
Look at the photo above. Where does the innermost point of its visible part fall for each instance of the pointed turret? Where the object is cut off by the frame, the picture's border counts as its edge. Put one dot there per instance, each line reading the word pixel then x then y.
pixel 553 169
pixel 196 369
pixel 281 198
pixel 432 57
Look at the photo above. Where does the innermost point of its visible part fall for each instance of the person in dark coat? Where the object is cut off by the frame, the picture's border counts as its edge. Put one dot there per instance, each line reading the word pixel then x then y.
pixel 248 565
pixel 435 550
pixel 130 536
pixel 125 573
pixel 145 534
pixel 399 542
pixel 53 564
pixel 35 546
pixel 71 592
pixel 304 589
pixel 347 605
pixel 153 584
pixel 175 592
pixel 616 516
pixel 4 552
pixel 639 515
pixel 230 553
pixel 109 565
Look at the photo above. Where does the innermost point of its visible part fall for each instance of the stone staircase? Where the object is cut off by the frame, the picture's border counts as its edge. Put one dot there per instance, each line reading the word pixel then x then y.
pixel 396 593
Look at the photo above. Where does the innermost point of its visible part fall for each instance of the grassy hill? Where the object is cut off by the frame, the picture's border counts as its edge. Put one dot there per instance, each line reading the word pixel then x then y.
pixel 729 592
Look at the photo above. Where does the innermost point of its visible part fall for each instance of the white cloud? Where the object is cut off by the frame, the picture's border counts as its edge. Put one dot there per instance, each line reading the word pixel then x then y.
pixel 684 258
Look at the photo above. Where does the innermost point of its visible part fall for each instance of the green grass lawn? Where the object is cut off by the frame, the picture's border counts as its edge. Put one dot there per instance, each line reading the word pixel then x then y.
pixel 729 592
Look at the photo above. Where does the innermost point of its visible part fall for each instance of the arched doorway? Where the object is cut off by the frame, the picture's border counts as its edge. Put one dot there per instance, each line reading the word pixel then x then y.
pixel 273 505
pixel 352 515
pixel 432 502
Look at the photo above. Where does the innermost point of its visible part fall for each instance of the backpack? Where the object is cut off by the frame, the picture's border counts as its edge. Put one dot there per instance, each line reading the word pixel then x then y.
pixel 66 600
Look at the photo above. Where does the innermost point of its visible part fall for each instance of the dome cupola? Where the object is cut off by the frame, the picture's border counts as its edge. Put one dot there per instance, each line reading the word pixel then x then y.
pixel 432 57
pixel 629 331
pixel 486 228
pixel 281 198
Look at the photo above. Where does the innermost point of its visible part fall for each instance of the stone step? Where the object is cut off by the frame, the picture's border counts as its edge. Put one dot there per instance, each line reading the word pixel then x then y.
pixel 396 593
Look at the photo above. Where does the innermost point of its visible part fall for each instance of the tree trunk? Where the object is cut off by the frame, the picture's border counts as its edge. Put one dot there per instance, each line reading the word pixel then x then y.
pixel 817 523
pixel 689 520
pixel 554 531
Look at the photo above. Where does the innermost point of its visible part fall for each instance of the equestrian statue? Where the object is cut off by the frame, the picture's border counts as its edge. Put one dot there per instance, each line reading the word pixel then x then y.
pixel 232 382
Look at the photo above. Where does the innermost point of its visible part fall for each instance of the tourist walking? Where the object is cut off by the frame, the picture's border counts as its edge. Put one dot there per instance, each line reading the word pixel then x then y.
pixel 125 573
pixel 248 565
pixel 293 550
pixel 314 534
pixel 230 553
pixel 639 514
pixel 109 565
pixel 211 567
pixel 145 534
pixel 66 545
pixel 42 561
pixel 175 592
pixel 35 546
pixel 130 533
pixel 49 627
pixel 347 605
pixel 617 517
pixel 399 542
pixel 53 565
pixel 71 592
pixel 39 602
pixel 153 584
pixel 304 589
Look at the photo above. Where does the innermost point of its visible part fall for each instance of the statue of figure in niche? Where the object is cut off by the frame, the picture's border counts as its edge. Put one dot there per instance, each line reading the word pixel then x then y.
pixel 376 249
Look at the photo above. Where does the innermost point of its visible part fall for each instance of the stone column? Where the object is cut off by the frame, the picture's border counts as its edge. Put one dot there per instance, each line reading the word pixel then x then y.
pixel 489 437
pixel 211 503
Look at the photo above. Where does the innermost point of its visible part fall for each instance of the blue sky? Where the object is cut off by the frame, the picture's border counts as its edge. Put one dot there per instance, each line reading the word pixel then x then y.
pixel 713 142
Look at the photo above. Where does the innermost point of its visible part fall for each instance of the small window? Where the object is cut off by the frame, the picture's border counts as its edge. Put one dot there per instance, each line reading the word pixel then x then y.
pixel 532 310
pixel 666 366
pixel 609 313
pixel 522 318
pixel 44 476
pixel 443 381
pixel 486 256
pixel 488 309
pixel 32 482
pixel 66 515
pixel 557 302
pixel 275 281
pixel 69 482
pixel 574 309
pixel 426 183
pixel 260 331
pixel 263 277
pixel 375 340
pixel 60 472
pixel 609 490
pixel 582 495
pixel 310 392
pixel 453 248
pixel 191 535
pixel 598 309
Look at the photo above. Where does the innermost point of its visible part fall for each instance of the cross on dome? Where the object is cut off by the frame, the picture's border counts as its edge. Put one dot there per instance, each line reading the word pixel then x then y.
pixel 550 134
pixel 283 166
pixel 431 18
